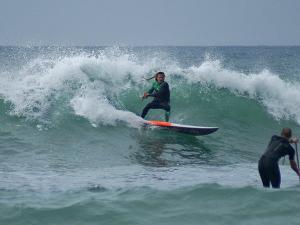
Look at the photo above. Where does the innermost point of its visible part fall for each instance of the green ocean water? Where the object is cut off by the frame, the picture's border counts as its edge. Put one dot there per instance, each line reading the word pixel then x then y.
pixel 73 149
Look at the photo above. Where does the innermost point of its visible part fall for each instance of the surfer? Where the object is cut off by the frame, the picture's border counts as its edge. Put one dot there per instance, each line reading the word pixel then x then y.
pixel 278 147
pixel 161 94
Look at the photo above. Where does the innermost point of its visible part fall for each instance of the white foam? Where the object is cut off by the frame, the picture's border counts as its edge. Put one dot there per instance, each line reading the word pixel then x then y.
pixel 280 97
pixel 88 81
pixel 88 84
pixel 102 112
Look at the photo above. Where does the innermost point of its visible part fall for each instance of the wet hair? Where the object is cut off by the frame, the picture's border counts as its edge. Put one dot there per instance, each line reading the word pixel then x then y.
pixel 159 73
pixel 286 132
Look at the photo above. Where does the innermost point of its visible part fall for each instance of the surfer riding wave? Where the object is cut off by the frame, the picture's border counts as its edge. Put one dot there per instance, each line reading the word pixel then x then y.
pixel 161 94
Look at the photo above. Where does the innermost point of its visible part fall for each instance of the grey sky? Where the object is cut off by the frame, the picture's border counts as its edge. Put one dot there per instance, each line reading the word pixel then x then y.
pixel 152 22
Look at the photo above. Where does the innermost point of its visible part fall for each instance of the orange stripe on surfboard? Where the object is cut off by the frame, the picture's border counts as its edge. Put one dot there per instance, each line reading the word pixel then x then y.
pixel 160 123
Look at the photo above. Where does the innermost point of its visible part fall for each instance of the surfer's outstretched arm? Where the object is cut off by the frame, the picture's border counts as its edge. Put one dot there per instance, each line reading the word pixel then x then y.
pixel 147 94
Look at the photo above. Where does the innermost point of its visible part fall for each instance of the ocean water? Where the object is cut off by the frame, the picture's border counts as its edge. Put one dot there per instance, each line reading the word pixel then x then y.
pixel 73 149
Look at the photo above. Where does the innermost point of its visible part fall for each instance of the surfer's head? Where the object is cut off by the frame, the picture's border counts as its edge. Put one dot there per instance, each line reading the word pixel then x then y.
pixel 160 77
pixel 286 132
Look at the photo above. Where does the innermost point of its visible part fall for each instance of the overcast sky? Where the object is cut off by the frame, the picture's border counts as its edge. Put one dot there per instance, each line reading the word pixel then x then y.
pixel 150 22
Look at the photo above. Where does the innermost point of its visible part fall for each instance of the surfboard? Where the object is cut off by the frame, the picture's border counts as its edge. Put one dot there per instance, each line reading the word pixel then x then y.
pixel 187 129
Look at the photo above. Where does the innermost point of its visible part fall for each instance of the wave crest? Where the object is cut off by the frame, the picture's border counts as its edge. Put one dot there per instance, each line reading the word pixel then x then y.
pixel 91 85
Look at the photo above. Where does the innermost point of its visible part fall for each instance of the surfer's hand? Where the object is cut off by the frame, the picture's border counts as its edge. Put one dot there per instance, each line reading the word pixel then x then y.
pixel 294 140
pixel 145 95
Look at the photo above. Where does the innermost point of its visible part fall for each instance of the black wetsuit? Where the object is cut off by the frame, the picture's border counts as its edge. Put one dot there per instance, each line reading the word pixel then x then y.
pixel 268 164
pixel 161 94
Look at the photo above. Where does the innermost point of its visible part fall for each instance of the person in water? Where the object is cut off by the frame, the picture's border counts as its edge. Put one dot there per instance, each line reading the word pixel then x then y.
pixel 278 147
pixel 161 94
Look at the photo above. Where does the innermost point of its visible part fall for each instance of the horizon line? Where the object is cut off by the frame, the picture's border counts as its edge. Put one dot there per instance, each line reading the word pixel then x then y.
pixel 141 46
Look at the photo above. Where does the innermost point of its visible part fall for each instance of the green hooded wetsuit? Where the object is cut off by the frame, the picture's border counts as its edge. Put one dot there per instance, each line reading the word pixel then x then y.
pixel 161 94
